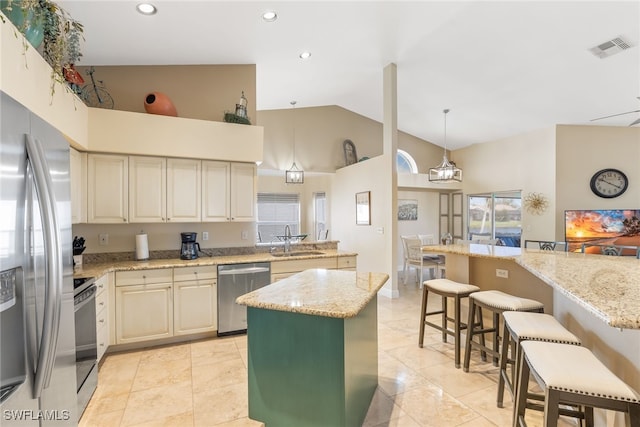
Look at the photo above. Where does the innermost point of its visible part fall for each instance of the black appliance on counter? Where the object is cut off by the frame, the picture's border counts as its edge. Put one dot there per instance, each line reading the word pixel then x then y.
pixel 190 247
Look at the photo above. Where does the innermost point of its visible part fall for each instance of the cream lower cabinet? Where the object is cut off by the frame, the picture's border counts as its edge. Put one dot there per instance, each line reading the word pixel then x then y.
pixel 195 300
pixel 144 305
pixel 283 269
pixel 107 189
pixel 102 314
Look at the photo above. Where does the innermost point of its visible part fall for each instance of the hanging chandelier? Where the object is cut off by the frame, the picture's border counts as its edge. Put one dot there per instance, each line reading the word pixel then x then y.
pixel 294 175
pixel 446 171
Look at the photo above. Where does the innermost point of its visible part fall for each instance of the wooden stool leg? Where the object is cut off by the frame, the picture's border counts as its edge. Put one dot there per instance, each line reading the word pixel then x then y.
pixel 520 402
pixel 502 373
pixel 634 414
pixel 589 421
pixel 469 335
pixel 423 315
pixel 496 337
pixel 483 353
pixel 551 407
pixel 456 329
pixel 444 318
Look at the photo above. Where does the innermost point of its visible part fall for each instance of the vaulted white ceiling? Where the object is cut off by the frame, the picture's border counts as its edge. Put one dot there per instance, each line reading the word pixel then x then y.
pixel 503 68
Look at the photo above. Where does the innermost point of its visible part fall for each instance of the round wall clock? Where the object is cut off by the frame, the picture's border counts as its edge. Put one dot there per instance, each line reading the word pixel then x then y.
pixel 609 183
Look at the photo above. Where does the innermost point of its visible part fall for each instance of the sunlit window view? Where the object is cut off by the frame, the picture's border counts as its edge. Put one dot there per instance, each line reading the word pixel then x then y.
pixel 496 216
pixel 405 163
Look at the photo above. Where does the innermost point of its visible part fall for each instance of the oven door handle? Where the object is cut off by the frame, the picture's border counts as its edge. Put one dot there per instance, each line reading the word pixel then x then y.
pixel 91 290
pixel 53 265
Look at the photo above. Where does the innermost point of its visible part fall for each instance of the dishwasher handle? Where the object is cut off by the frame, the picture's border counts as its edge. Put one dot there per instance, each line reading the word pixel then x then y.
pixel 243 270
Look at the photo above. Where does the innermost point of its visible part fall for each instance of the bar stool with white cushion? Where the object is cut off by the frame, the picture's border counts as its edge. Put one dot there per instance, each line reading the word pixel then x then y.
pixel 497 302
pixel 446 289
pixel 522 326
pixel 571 374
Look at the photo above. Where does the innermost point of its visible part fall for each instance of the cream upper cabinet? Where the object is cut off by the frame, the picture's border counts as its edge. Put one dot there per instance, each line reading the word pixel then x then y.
pixel 229 191
pixel 78 172
pixel 243 192
pixel 108 183
pixel 184 195
pixel 147 189
pixel 216 201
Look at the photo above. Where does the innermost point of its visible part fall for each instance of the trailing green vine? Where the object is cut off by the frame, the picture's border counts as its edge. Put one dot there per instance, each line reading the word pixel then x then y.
pixel 61 34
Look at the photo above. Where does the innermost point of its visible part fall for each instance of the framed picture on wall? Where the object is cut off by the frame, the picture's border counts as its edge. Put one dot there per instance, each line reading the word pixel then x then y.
pixel 407 210
pixel 363 208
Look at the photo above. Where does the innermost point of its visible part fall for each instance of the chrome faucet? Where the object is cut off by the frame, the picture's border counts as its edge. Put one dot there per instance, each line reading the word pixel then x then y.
pixel 287 238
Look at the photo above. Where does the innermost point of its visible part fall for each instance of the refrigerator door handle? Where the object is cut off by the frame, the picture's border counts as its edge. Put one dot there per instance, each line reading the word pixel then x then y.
pixel 53 263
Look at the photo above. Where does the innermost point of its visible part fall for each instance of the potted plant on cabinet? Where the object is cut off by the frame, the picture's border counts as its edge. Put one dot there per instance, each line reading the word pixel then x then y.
pixel 51 30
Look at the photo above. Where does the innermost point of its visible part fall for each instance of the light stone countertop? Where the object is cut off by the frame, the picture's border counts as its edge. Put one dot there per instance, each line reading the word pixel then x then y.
pixel 327 293
pixel 606 286
pixel 99 269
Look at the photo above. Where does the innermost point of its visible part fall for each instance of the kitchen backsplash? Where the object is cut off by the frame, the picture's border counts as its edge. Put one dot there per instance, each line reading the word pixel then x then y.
pixel 93 258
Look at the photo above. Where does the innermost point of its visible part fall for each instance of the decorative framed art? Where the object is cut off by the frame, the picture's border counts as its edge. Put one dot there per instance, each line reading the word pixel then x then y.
pixel 407 210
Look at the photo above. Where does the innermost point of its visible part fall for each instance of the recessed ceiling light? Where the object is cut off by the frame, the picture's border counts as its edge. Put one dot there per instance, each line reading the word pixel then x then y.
pixel 269 16
pixel 305 55
pixel 146 8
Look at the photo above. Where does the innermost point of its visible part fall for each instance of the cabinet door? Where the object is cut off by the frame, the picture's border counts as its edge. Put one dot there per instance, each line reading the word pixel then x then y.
pixel 147 189
pixel 195 307
pixel 107 192
pixel 215 191
pixel 143 312
pixel 78 174
pixel 243 192
pixel 183 190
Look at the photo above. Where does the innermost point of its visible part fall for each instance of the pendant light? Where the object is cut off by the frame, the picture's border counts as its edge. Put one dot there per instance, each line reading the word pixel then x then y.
pixel 294 175
pixel 446 171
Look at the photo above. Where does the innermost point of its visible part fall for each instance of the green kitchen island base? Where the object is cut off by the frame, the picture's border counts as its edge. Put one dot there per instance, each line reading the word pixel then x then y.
pixel 308 370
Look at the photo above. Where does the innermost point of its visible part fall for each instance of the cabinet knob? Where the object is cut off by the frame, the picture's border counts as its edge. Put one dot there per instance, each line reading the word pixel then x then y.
pixel 102 303
pixel 101 344
pixel 124 219
pixel 101 320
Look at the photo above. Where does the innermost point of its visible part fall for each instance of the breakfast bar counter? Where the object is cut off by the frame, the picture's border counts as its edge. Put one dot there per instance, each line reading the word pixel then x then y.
pixel 313 348
pixel 596 297
pixel 606 286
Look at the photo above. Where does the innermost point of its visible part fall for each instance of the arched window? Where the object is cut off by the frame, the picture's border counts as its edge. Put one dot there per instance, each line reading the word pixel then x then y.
pixel 405 163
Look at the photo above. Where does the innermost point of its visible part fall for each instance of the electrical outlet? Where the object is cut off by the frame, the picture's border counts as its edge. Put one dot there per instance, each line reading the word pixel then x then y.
pixel 502 273
pixel 104 239
pixel 205 235
pixel 244 235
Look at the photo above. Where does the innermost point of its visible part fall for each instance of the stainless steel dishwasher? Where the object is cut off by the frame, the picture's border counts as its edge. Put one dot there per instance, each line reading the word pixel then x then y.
pixel 235 280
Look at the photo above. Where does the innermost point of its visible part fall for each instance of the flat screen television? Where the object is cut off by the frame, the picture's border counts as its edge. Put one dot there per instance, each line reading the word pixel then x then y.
pixel 612 226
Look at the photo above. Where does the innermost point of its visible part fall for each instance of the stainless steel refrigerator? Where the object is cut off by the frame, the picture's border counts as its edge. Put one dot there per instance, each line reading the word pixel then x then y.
pixel 37 335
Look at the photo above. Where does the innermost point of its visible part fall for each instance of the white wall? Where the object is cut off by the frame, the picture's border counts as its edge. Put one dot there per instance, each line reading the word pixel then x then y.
pixel 584 150
pixel 427 222
pixel 313 183
pixel 524 162
pixel 366 240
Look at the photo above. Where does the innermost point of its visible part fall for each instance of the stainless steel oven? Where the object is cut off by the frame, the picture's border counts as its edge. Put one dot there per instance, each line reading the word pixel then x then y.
pixel 86 342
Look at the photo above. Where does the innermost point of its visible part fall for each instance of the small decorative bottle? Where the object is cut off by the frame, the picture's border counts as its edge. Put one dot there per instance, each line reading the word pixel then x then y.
pixel 241 108
pixel 446 238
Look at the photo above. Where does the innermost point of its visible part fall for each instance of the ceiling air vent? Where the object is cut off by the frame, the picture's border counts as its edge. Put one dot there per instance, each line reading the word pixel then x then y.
pixel 610 47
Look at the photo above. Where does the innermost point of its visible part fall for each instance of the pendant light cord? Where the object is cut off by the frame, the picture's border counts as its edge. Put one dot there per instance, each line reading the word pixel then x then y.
pixel 293 103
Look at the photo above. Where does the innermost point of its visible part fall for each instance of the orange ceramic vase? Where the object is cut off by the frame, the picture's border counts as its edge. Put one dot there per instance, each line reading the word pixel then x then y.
pixel 159 103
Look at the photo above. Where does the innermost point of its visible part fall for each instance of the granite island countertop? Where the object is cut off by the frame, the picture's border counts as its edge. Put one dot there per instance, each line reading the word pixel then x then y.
pixel 99 269
pixel 327 293
pixel 606 286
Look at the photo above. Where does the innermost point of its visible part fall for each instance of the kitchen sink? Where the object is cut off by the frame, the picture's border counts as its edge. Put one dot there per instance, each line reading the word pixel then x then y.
pixel 296 253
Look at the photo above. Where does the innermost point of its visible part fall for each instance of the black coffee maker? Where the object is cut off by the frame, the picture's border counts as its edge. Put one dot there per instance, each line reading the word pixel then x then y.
pixel 190 247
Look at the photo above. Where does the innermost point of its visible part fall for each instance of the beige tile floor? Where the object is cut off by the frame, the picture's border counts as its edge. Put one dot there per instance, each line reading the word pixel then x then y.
pixel 204 383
